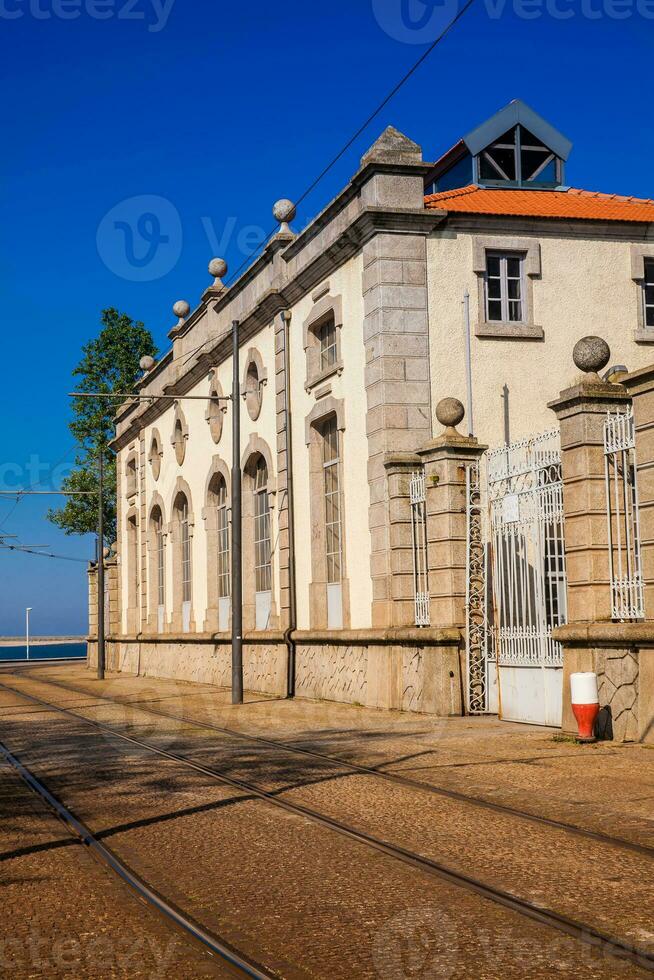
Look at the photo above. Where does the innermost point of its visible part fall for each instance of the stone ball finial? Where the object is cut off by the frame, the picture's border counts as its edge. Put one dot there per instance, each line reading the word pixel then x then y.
pixel 450 412
pixel 591 354
pixel 147 362
pixel 181 309
pixel 218 268
pixel 284 210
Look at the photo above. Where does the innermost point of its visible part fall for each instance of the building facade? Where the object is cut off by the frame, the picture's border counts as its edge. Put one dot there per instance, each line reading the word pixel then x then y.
pixel 352 331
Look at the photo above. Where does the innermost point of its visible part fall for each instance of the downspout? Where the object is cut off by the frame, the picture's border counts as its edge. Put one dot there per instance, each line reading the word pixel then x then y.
pixel 290 506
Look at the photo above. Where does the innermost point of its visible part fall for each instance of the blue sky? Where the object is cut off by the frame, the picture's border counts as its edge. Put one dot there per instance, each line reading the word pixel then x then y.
pixel 219 109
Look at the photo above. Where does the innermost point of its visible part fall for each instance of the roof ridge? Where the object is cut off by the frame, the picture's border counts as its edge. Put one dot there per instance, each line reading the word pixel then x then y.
pixel 605 195
pixel 454 192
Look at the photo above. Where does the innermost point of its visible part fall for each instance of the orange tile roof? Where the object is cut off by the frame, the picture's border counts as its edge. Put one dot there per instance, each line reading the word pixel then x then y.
pixel 571 203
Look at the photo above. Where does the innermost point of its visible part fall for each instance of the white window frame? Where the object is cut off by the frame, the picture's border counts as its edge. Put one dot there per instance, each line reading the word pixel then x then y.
pixel 504 300
pixel 262 532
pixel 222 528
pixel 328 344
pixel 187 572
pixel 648 280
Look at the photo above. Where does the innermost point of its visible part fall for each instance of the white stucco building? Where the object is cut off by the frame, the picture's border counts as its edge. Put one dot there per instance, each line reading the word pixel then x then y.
pixel 370 297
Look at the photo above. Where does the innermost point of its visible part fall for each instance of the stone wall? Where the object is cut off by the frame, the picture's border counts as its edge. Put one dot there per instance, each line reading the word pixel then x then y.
pixel 410 670
pixel 622 656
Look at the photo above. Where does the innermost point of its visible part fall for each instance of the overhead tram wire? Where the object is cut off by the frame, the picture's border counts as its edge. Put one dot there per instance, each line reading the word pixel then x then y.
pixel 26 549
pixel 40 554
pixel 373 115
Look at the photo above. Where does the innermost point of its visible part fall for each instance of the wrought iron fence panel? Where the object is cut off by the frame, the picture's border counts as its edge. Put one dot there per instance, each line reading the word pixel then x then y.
pixel 417 493
pixel 623 525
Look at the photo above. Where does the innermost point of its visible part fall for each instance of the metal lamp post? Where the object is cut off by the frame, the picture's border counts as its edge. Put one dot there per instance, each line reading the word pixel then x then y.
pixel 237 570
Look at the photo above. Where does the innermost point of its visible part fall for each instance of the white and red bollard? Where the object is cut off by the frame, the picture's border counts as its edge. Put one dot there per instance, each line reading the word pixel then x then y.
pixel 585 704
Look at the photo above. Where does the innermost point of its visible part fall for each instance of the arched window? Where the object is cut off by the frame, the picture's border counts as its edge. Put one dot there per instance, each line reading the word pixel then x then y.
pixel 262 545
pixel 132 572
pixel 183 559
pixel 160 566
pixel 222 526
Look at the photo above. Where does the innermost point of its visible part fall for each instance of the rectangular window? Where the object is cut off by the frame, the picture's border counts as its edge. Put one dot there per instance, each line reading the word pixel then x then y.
pixel 505 287
pixel 328 344
pixel 648 292
pixel 331 464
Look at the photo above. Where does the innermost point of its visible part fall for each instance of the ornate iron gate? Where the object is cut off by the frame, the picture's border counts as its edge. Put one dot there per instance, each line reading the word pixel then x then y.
pixel 525 495
pixel 478 648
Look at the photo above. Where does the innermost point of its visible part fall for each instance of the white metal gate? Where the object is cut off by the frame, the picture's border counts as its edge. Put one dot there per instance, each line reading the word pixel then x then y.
pixel 525 495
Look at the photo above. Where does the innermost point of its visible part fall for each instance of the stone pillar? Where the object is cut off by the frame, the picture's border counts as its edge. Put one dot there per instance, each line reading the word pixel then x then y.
pixel 396 337
pixel 111 590
pixel 640 385
pixel 445 460
pixel 581 411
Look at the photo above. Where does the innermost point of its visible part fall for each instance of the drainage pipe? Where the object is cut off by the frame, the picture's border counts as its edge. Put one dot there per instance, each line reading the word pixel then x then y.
pixel 290 507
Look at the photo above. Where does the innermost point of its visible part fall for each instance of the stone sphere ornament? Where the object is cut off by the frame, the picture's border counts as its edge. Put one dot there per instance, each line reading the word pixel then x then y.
pixel 147 362
pixel 284 211
pixel 218 268
pixel 450 412
pixel 591 354
pixel 181 309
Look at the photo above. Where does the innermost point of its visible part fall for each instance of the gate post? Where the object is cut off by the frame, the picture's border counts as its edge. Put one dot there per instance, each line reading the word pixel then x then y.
pixel 582 411
pixel 446 461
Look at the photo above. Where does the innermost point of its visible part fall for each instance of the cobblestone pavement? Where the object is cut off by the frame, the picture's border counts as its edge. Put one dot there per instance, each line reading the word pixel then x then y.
pixel 309 902
pixel 61 909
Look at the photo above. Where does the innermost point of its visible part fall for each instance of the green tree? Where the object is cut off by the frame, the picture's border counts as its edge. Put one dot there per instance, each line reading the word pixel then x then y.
pixel 110 363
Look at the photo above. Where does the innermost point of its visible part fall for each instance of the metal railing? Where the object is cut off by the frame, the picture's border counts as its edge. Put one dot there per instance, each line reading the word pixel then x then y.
pixel 625 566
pixel 418 498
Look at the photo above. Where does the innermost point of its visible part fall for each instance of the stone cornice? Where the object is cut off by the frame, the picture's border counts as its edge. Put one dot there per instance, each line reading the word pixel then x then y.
pixel 588 396
pixel 606 634
pixel 361 229
pixel 353 189
pixel 413 636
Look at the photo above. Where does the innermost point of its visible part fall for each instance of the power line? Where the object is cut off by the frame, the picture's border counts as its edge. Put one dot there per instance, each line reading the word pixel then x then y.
pixel 373 115
pixel 40 554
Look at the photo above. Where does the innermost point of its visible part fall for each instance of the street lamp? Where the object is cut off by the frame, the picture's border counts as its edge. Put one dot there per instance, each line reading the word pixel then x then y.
pixel 27 630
